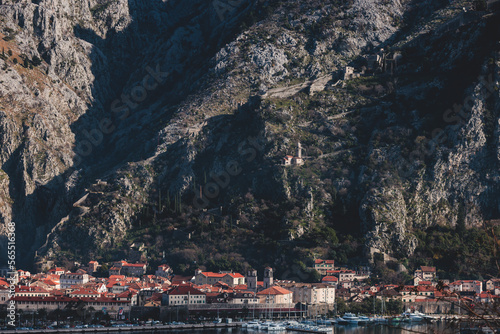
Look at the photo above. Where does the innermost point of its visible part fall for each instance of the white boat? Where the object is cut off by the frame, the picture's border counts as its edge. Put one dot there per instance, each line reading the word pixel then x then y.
pixel 273 327
pixel 263 325
pixel 413 316
pixel 364 320
pixel 349 318
pixel 310 328
pixel 251 324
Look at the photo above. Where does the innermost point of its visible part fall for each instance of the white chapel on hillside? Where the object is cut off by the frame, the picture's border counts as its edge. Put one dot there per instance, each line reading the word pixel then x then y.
pixel 291 160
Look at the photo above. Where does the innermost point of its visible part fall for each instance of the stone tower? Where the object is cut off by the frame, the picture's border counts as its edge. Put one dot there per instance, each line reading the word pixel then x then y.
pixel 299 150
pixel 268 277
pixel 251 280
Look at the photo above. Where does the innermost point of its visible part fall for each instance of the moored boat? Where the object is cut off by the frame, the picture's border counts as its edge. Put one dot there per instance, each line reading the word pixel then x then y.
pixel 349 318
pixel 251 324
pixel 364 319
pixel 413 316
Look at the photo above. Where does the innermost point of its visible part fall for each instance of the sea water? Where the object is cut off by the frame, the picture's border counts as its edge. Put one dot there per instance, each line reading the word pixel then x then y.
pixel 441 328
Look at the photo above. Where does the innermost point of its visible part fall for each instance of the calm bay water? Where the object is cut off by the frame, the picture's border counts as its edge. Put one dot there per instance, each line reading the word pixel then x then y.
pixel 439 328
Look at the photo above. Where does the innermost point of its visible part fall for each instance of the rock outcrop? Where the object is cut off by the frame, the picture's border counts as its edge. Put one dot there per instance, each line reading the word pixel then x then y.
pixel 162 121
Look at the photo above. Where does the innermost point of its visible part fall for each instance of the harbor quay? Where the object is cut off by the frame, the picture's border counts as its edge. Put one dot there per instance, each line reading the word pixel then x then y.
pixel 234 311
pixel 149 329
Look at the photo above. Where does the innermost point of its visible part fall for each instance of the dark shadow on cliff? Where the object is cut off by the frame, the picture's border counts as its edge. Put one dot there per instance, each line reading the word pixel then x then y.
pixel 108 136
pixel 137 114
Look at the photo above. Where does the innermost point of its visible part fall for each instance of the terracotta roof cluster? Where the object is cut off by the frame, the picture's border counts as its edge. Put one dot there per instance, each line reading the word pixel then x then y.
pixel 24 288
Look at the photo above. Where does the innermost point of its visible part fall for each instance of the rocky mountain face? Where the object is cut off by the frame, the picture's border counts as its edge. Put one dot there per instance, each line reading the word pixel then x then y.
pixel 165 122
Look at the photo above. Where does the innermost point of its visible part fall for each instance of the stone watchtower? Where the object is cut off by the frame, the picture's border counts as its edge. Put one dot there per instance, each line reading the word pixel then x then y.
pixel 251 280
pixel 268 277
pixel 298 159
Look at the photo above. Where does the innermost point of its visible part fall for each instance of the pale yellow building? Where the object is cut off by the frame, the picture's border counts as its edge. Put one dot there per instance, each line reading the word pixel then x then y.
pixel 312 293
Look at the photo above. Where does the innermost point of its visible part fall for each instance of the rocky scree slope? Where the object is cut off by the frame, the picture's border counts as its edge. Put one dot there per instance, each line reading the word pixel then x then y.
pixel 62 64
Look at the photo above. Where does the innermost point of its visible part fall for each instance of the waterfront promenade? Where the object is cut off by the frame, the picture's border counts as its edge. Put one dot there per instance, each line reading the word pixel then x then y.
pixel 149 328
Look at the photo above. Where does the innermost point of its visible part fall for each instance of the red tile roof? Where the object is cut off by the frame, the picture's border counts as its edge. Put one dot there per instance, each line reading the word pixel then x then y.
pixel 179 279
pixel 118 283
pixel 58 293
pixel 127 294
pixel 213 275
pixel 236 275
pixel 274 290
pixel 221 284
pixel 156 296
pixel 428 269
pixel 425 283
pixel 240 287
pixel 184 290
pixel 330 279
pixel 23 288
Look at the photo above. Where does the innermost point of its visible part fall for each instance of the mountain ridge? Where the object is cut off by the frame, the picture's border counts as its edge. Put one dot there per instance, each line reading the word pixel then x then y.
pixel 369 172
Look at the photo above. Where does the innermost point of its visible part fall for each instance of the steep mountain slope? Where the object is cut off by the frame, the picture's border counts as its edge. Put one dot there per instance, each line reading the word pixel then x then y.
pixel 166 124
pixel 53 114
